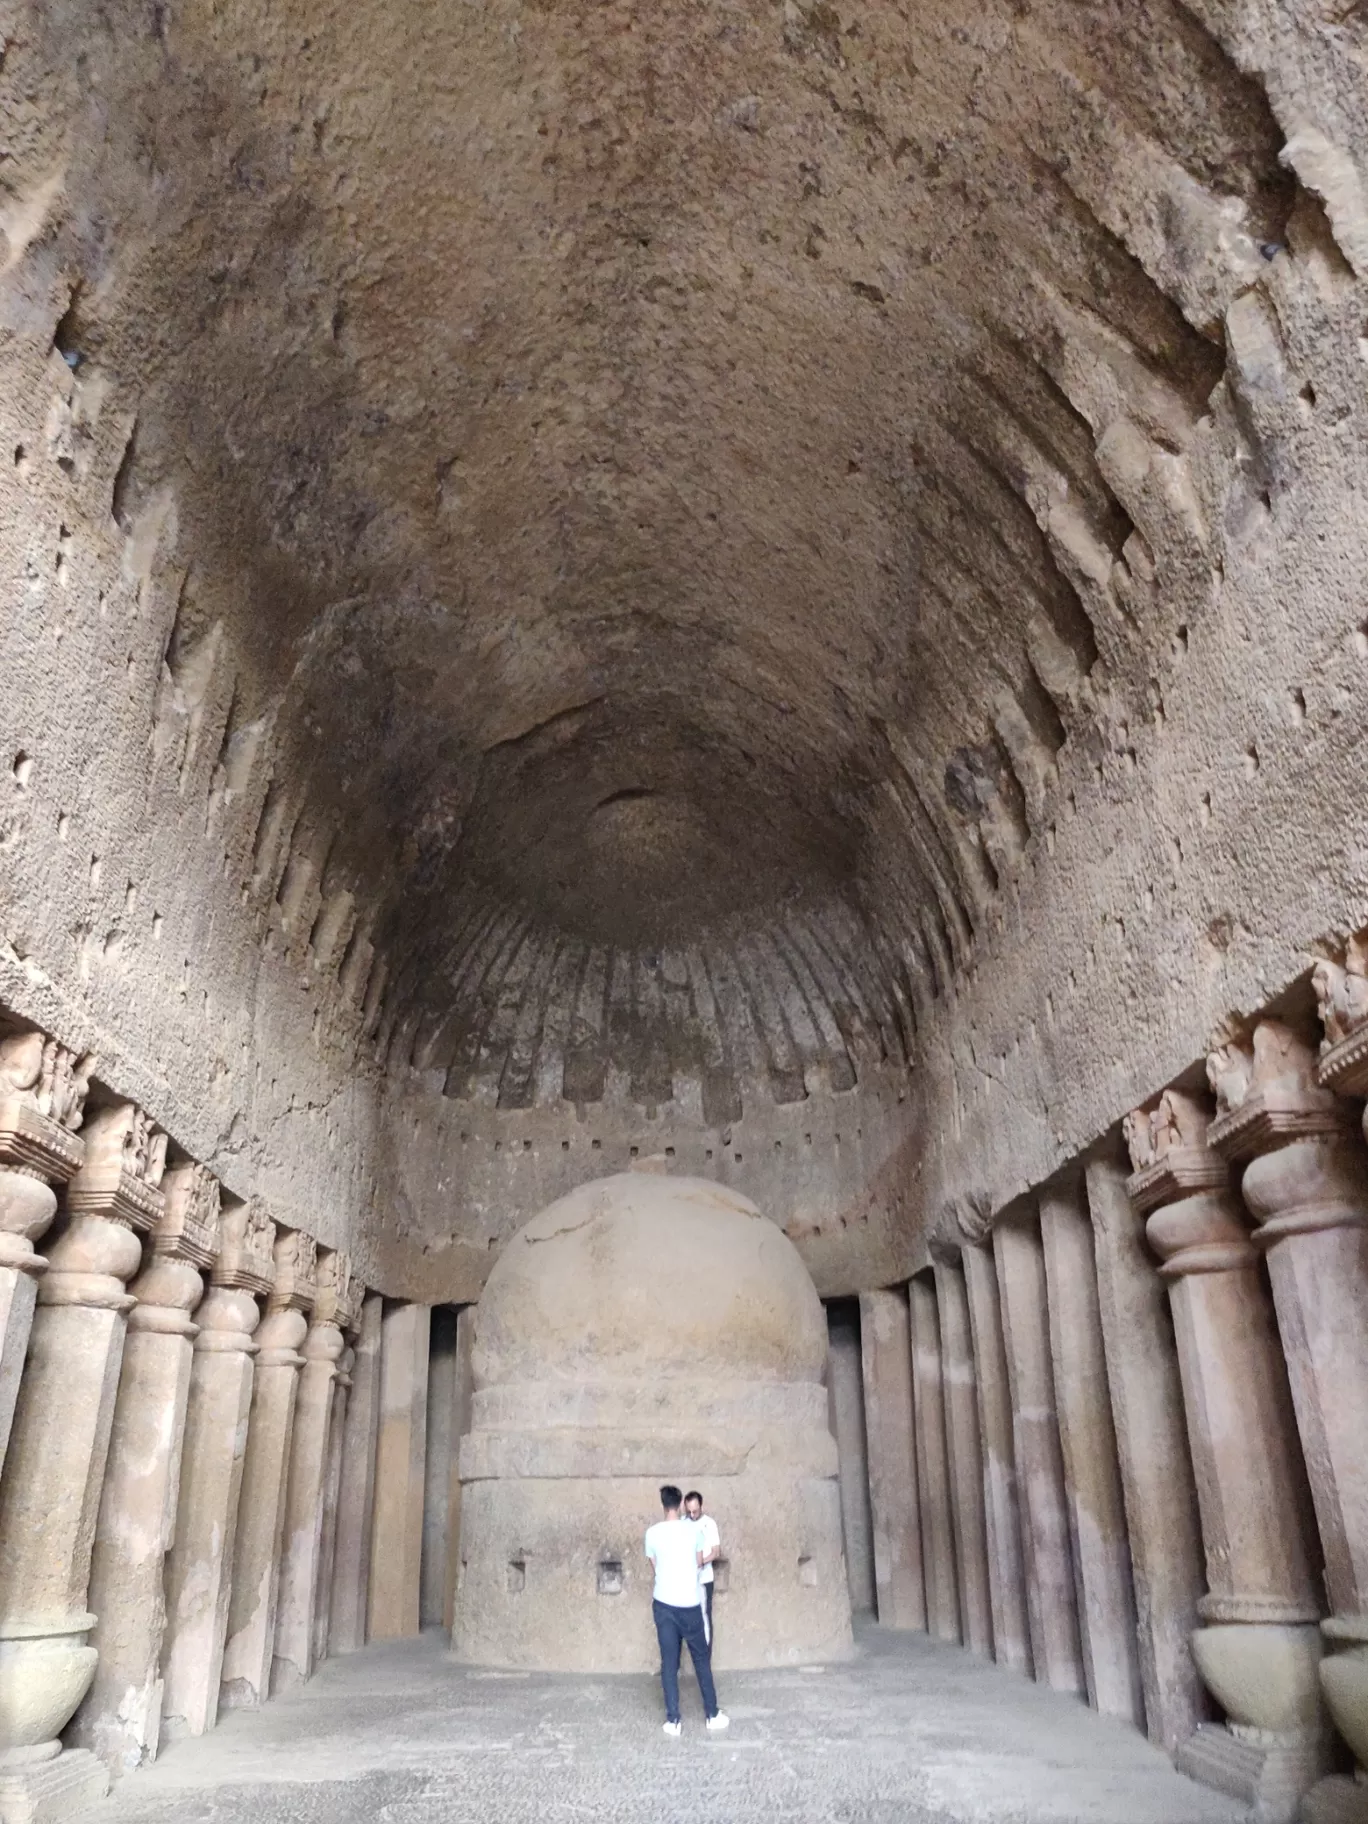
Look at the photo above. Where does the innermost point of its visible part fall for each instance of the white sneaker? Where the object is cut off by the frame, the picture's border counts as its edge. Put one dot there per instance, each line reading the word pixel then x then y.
pixel 719 1722
pixel 673 1729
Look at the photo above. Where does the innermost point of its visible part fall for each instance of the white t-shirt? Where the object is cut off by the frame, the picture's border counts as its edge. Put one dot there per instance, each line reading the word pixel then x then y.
pixel 708 1541
pixel 672 1546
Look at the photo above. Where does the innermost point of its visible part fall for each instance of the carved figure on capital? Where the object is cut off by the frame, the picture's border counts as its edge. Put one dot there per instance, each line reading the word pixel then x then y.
pixel 333 1302
pixel 296 1271
pixel 1342 1003
pixel 246 1252
pixel 189 1227
pixel 1268 1092
pixel 1167 1141
pixel 47 1076
pixel 124 1165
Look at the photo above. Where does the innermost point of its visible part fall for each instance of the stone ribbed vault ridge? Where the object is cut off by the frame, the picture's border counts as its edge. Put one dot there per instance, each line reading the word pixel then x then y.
pixel 798 1004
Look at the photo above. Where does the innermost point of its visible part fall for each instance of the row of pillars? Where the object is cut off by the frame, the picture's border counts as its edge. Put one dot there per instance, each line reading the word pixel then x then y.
pixel 1120 1441
pixel 207 1444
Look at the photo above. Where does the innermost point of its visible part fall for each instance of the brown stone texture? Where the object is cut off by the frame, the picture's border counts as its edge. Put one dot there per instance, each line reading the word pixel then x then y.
pixel 1156 1466
pixel 1001 1489
pixel 1092 1471
pixel 846 1418
pixel 396 1548
pixel 933 1463
pixel 350 1605
pixel 964 1444
pixel 1047 1556
pixel 767 597
pixel 885 1344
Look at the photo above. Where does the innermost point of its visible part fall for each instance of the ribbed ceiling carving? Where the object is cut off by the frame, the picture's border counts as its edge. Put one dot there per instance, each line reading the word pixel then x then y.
pixel 660 487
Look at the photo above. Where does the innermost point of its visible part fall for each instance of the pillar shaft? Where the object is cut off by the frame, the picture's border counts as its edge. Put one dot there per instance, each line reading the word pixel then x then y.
pixel 1001 1496
pixel 120 1718
pixel 1050 1598
pixel 461 1420
pixel 332 1491
pixel 55 1468
pixel 1257 1652
pixel 397 1537
pixel 1100 1545
pixel 1156 1466
pixel 250 1646
pixel 1305 1182
pixel 933 1464
pixel 965 1451
pixel 305 1489
pixel 886 1360
pixel 845 1405
pixel 442 1441
pixel 356 1503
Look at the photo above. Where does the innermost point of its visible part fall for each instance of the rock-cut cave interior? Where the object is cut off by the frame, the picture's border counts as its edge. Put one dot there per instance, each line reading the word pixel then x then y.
pixel 683 709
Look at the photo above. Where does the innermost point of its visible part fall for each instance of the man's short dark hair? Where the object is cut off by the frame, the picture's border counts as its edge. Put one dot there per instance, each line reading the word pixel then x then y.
pixel 693 1495
pixel 670 1496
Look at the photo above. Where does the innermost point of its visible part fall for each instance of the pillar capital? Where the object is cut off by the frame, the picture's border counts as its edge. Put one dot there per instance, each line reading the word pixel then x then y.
pixel 245 1259
pixel 1182 1185
pixel 294 1280
pixel 42 1098
pixel 1268 1095
pixel 183 1242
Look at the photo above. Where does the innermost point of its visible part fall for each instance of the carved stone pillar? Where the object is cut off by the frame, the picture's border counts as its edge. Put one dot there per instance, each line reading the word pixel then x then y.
pixel 250 1646
pixel 200 1563
pixel 1306 1185
pixel 1006 1570
pixel 332 1482
pixel 1258 1650
pixel 397 1539
pixel 1156 1464
pixel 965 1449
pixel 933 1464
pixel 886 1361
pixel 1050 1599
pixel 120 1718
pixel 1098 1538
pixel 42 1094
pixel 56 1464
pixel 306 1482
pixel 356 1502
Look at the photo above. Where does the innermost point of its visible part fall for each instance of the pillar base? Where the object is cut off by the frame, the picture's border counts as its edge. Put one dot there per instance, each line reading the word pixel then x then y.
pixel 51 1792
pixel 1338 1800
pixel 1268 1769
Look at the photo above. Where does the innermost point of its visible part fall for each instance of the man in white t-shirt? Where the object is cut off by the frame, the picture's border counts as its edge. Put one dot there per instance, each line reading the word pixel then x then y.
pixel 710 1545
pixel 672 1545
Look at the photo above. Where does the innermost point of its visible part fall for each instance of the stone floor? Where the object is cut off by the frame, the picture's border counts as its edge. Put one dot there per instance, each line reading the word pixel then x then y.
pixel 911 1732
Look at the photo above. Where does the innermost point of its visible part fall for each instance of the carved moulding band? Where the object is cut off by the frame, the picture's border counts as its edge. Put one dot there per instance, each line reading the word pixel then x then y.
pixel 1344 1067
pixel 1310 1219
pixel 1268 1609
pixel 36 1145
pixel 1271 1118
pixel 1183 1171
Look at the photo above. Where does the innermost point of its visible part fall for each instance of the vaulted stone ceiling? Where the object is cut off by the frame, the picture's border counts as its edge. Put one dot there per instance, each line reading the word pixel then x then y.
pixel 657 483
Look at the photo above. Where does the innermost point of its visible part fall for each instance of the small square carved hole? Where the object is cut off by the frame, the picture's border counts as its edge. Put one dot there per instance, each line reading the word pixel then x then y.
pixel 517 1575
pixel 610 1577
pixel 807 1572
pixel 721 1576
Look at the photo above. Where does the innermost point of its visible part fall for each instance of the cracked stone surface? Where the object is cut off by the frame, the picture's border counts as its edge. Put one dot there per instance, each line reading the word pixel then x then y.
pixel 911 1731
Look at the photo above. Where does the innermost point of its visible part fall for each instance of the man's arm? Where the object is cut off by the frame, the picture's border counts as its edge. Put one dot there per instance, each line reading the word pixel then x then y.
pixel 714 1551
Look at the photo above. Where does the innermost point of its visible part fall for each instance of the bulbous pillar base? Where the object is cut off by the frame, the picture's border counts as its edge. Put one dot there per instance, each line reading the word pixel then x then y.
pixel 42 1679
pixel 1274 1745
pixel 1344 1680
